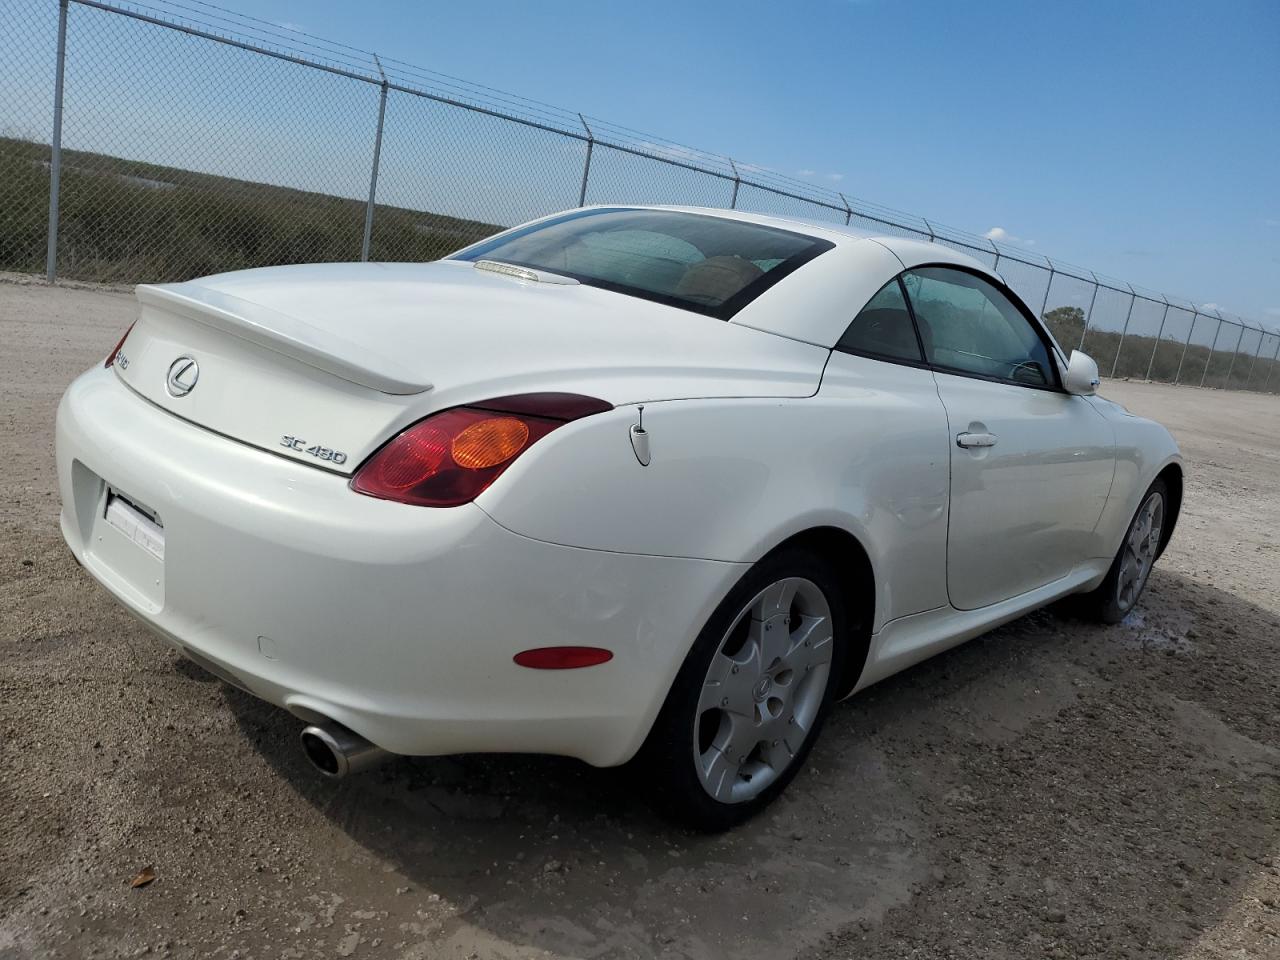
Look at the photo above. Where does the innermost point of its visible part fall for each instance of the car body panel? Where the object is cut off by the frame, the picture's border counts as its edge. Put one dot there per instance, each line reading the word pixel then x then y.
pixel 836 286
pixel 462 335
pixel 734 478
pixel 1037 493
pixel 256 395
pixel 909 640
pixel 400 622
pixel 1144 450
pixel 915 253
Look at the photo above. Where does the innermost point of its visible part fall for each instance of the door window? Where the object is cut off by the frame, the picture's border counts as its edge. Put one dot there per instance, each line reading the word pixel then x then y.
pixel 883 328
pixel 969 326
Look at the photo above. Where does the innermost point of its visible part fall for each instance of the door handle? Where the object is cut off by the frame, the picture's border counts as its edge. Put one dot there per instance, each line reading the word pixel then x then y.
pixel 968 440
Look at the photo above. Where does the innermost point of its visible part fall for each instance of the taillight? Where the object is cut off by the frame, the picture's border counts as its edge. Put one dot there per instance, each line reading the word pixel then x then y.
pixel 452 456
pixel 111 357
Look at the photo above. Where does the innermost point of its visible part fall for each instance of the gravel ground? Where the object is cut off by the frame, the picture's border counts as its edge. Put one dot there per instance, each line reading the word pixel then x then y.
pixel 1052 789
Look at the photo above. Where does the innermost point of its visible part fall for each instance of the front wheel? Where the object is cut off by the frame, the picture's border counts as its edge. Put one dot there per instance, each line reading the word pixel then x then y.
pixel 1119 592
pixel 749 700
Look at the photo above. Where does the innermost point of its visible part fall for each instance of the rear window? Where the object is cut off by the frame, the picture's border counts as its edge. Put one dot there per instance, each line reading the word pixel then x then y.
pixel 702 263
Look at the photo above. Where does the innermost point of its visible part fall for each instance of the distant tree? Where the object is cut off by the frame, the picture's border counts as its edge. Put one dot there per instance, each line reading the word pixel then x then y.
pixel 1066 324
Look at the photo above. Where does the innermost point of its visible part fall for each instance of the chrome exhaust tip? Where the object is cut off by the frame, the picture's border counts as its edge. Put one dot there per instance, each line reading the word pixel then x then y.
pixel 337 752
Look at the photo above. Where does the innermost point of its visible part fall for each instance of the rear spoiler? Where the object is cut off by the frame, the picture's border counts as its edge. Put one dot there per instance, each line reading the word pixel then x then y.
pixel 283 334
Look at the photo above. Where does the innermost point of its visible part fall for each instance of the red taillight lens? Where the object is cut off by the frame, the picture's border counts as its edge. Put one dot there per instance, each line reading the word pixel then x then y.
pixel 451 457
pixel 111 357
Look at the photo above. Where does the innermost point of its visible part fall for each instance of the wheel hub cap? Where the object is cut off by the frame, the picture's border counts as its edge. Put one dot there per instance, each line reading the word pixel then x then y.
pixel 1139 551
pixel 763 690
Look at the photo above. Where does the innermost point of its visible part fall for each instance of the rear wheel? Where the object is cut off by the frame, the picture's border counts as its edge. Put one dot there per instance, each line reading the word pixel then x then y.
pixel 1119 592
pixel 750 698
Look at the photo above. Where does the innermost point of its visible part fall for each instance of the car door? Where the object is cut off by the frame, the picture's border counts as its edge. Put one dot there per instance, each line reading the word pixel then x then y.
pixel 887 452
pixel 1031 465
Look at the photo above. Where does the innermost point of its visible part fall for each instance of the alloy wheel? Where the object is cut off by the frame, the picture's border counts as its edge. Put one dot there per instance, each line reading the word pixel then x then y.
pixel 763 690
pixel 1139 551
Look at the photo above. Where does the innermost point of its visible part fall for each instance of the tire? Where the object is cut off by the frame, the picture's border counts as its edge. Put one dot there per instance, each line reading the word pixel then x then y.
pixel 751 697
pixel 1118 594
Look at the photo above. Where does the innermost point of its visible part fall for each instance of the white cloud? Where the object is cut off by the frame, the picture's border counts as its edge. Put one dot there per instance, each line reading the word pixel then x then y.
pixel 1002 235
pixel 1271 222
pixel 805 173
pixel 1210 306
pixel 835 177
pixel 1272 311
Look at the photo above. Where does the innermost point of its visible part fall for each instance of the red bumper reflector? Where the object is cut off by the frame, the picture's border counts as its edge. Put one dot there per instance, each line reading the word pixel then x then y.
pixel 562 658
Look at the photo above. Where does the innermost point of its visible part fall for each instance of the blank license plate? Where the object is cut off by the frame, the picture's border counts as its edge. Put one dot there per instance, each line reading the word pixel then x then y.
pixel 137 523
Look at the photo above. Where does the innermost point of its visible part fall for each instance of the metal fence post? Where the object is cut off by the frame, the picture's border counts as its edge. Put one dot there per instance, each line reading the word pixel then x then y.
pixel 1262 335
pixel 1045 305
pixel 586 167
pixel 1213 346
pixel 737 182
pixel 848 210
pixel 1195 315
pixel 996 265
pixel 1133 298
pixel 928 226
pixel 55 156
pixel 377 157
pixel 1226 384
pixel 1272 369
pixel 1089 313
pixel 1159 333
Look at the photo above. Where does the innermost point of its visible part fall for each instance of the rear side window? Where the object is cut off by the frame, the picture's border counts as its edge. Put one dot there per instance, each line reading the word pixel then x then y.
pixel 883 328
pixel 969 326
pixel 705 264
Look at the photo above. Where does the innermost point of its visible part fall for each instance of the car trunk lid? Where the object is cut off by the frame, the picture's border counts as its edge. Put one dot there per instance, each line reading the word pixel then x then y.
pixel 324 362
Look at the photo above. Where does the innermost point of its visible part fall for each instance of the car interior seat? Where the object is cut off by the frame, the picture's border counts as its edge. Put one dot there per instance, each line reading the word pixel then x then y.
pixel 716 279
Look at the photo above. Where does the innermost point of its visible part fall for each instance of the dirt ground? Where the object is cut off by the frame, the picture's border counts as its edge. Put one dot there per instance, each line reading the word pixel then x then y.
pixel 1053 789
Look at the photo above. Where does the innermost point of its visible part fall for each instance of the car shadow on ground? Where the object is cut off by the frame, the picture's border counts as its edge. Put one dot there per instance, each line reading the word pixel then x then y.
pixel 1053 785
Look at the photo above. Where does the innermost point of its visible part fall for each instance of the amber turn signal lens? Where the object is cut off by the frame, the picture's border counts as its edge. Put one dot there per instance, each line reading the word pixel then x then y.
pixel 489 442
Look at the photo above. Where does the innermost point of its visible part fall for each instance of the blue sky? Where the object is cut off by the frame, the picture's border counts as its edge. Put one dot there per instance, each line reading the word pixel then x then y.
pixel 1141 139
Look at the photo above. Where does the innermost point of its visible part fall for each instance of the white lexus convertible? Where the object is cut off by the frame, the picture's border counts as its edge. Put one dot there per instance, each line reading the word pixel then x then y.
pixel 646 483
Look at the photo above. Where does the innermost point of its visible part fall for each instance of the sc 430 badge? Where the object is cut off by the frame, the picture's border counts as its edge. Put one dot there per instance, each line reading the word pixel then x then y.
pixel 317 451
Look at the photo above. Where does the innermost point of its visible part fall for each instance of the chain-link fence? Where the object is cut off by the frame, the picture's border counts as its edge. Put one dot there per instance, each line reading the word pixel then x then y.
pixel 169 139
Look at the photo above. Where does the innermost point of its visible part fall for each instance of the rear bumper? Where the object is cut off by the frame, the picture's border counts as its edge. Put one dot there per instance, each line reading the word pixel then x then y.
pixel 398 622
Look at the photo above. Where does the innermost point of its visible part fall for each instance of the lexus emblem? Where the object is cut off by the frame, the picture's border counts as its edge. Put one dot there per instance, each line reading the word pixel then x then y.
pixel 183 374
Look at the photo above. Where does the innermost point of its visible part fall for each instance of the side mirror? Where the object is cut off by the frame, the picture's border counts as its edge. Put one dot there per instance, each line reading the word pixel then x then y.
pixel 1082 375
